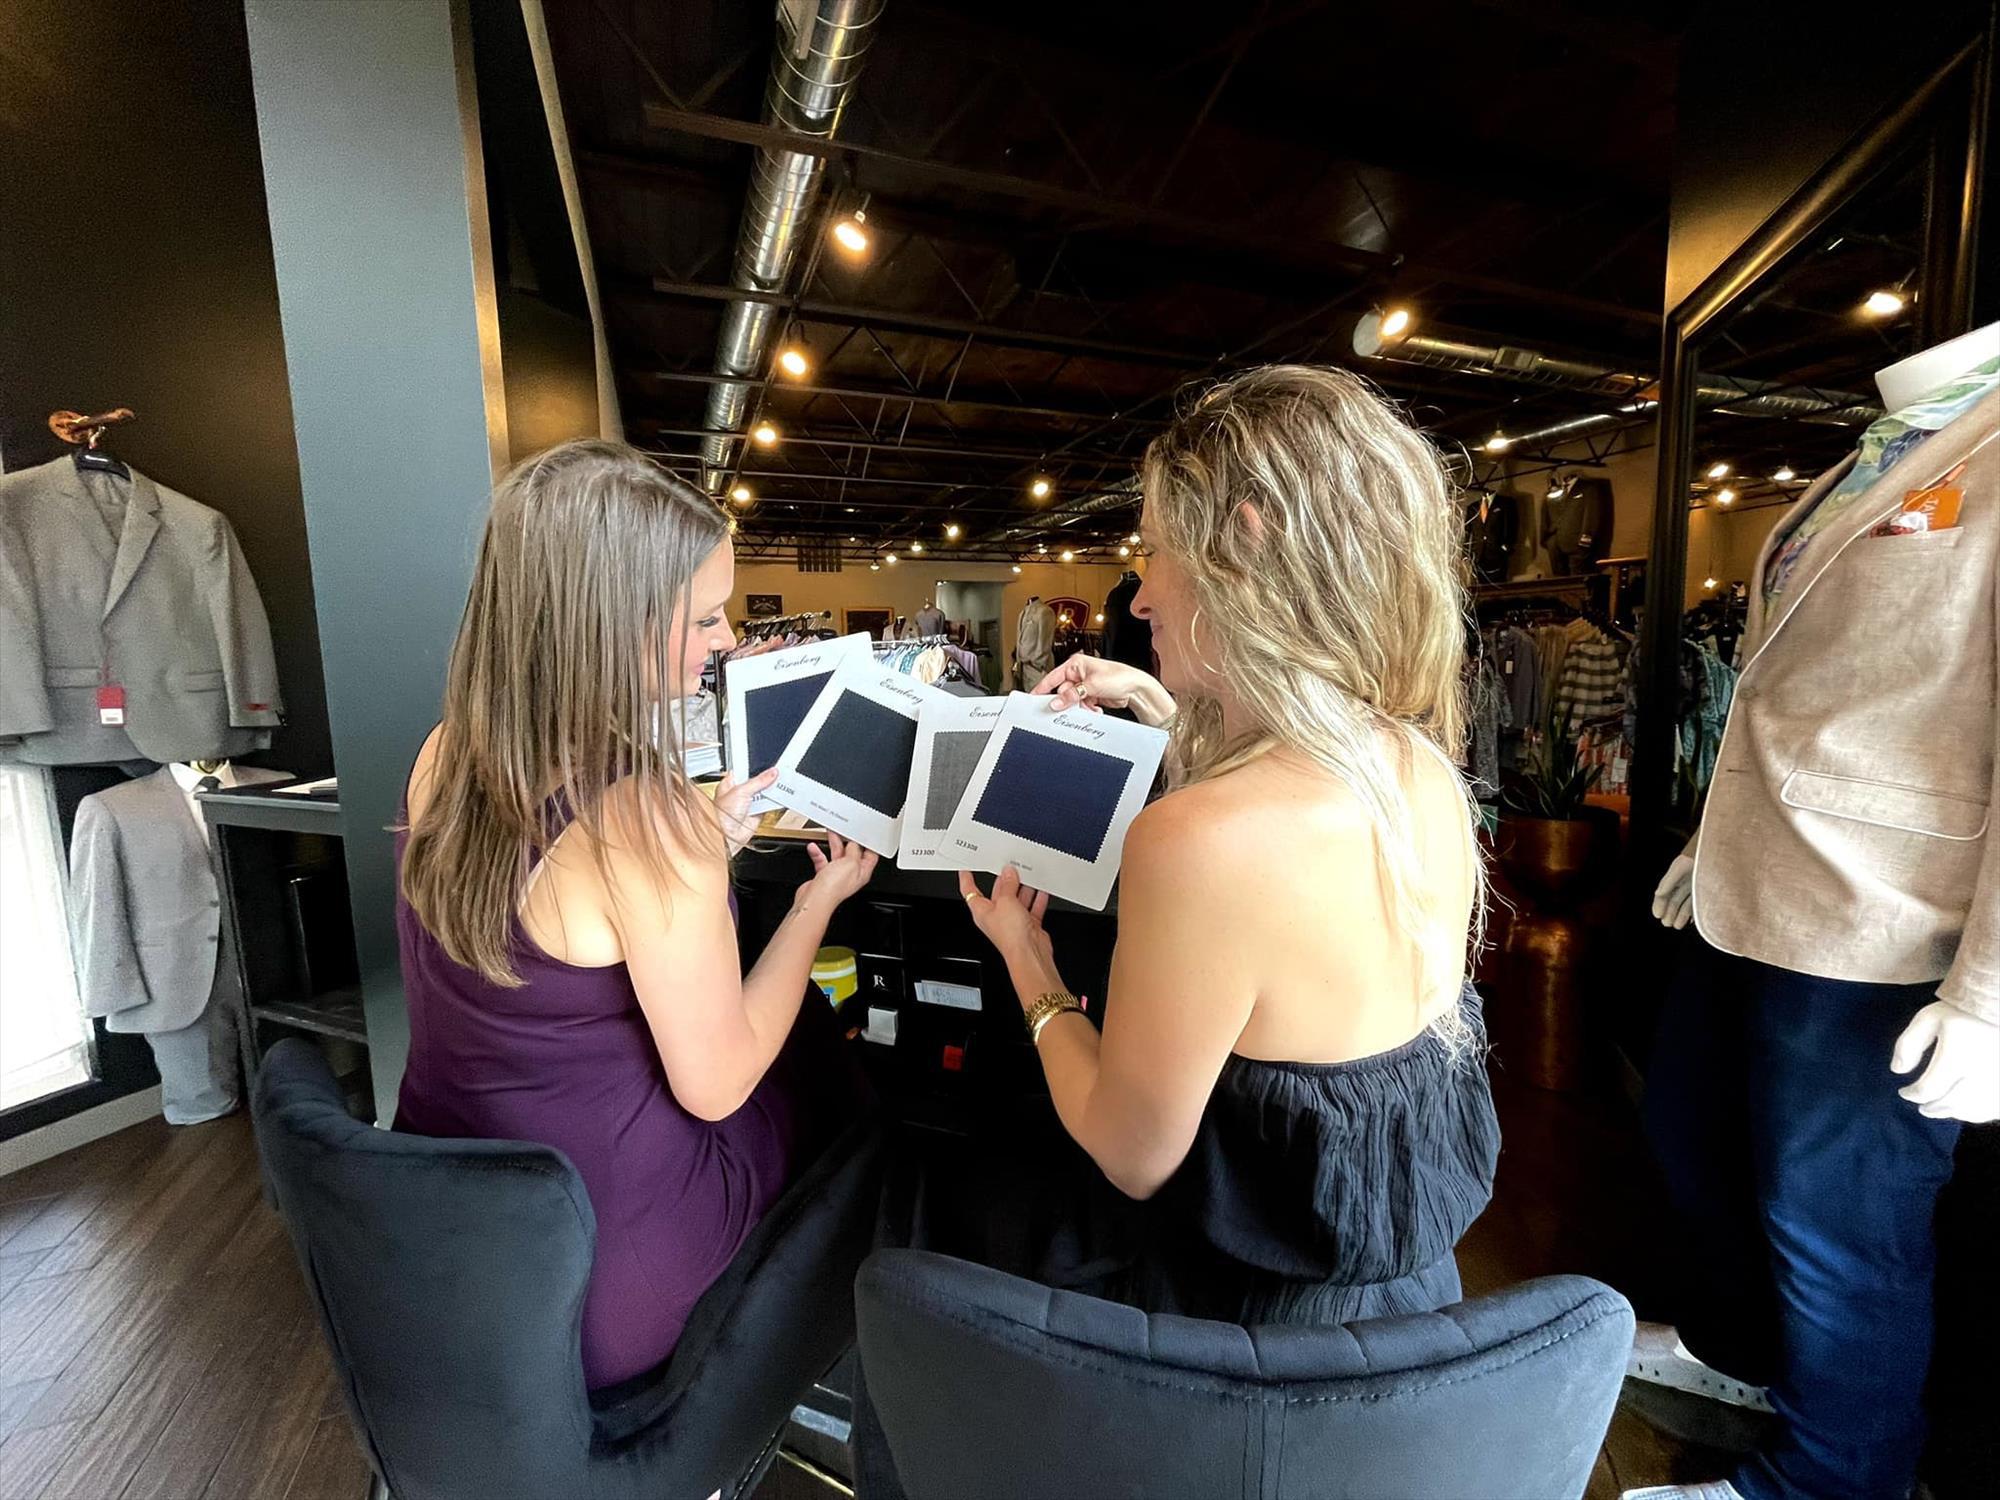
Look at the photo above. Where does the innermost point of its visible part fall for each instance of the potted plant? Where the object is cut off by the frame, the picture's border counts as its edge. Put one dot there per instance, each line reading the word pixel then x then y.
pixel 1548 833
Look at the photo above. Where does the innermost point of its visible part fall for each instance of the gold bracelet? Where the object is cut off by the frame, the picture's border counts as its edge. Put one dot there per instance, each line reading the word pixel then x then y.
pixel 1046 1009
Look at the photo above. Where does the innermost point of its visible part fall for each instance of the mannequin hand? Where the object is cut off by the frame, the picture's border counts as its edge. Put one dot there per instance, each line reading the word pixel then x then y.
pixel 1963 1079
pixel 1096 684
pixel 732 806
pixel 1011 918
pixel 1673 902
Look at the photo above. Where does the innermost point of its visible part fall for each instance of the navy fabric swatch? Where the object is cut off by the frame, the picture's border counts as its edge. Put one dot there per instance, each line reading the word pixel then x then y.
pixel 1054 794
pixel 863 751
pixel 774 715
pixel 954 756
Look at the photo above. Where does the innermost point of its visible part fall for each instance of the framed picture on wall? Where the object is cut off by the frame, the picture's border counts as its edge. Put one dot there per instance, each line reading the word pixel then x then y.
pixel 874 619
pixel 763 606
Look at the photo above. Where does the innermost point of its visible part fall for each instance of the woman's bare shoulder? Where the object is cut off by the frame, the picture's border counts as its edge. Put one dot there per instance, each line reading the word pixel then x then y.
pixel 423 775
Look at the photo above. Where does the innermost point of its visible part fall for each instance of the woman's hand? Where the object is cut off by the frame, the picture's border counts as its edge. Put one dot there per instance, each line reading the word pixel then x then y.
pixel 1096 684
pixel 1011 918
pixel 837 874
pixel 732 806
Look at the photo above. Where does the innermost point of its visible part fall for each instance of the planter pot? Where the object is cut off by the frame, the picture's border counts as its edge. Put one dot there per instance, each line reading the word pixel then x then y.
pixel 1547 857
pixel 1537 1019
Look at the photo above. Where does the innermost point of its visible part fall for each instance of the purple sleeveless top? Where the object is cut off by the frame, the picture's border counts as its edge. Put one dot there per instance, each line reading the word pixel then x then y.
pixel 566 1060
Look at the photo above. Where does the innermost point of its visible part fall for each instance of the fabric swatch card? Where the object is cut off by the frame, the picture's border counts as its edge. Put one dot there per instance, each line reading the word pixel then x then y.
pixel 848 765
pixel 951 735
pixel 1052 795
pixel 769 696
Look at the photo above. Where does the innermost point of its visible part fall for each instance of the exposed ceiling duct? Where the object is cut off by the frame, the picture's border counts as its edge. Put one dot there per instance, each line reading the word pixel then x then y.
pixel 821 46
pixel 1631 389
pixel 1114 497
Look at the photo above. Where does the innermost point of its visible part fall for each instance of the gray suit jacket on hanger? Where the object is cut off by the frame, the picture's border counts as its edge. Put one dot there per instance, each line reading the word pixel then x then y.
pixel 144 906
pixel 104 579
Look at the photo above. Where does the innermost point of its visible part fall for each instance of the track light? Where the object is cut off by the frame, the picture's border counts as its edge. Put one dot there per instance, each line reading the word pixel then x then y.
pixel 1718 471
pixel 1785 475
pixel 1100 617
pixel 850 232
pixel 916 546
pixel 951 531
pixel 1883 303
pixel 1124 551
pixel 874 567
pixel 1709 583
pixel 1068 556
pixel 1017 567
pixel 793 363
pixel 1499 442
pixel 1725 497
pixel 741 494
pixel 1555 489
pixel 764 433
pixel 1396 322
pixel 1040 489
pixel 1133 538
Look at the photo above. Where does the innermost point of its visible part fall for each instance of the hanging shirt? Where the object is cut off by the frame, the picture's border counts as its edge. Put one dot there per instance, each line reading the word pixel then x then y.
pixel 1887 440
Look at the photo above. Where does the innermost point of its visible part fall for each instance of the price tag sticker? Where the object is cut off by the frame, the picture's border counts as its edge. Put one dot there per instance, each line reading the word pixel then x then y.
pixel 111 704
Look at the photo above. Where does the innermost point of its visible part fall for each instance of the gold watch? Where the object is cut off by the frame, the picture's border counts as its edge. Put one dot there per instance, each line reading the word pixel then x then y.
pixel 1046 1009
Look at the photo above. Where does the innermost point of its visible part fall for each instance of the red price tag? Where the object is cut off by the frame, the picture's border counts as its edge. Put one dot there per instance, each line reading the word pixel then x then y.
pixel 111 704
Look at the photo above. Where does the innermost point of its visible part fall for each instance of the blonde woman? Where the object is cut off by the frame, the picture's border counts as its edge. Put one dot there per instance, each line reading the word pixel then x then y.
pixel 564 912
pixel 1291 1058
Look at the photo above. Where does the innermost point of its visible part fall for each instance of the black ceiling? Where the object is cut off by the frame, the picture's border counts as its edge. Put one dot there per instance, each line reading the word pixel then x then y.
pixel 1079 207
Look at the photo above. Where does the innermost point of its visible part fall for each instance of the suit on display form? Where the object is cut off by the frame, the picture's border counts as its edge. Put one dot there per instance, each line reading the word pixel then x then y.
pixel 121 584
pixel 1846 877
pixel 150 943
pixel 1034 645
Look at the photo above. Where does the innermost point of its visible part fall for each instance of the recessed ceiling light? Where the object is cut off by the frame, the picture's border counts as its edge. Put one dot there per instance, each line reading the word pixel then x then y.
pixel 1040 489
pixel 1883 304
pixel 1718 471
pixel 793 363
pixel 765 433
pixel 851 234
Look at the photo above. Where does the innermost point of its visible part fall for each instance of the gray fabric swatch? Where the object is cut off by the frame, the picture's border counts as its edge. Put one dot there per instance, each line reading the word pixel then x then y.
pixel 954 754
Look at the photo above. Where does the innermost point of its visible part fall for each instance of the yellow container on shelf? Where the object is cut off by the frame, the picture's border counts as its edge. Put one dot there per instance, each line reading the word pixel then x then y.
pixel 837 974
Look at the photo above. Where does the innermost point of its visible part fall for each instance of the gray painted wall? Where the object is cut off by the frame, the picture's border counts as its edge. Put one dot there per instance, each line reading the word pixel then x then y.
pixel 378 225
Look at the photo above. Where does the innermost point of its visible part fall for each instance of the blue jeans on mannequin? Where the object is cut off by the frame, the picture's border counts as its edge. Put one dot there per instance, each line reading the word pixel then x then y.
pixel 1809 1191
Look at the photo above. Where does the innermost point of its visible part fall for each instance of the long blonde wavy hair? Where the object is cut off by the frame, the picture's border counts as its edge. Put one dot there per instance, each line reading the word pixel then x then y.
pixel 561 656
pixel 1337 616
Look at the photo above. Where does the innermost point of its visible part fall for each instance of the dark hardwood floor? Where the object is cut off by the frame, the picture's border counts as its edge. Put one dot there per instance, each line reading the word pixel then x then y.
pixel 156 1341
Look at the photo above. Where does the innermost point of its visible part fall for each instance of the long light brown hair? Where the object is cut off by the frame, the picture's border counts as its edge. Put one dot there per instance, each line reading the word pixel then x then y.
pixel 563 653
pixel 1336 616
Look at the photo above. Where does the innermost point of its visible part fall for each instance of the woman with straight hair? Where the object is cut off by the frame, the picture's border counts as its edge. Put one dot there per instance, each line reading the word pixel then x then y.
pixel 1291 1061
pixel 564 909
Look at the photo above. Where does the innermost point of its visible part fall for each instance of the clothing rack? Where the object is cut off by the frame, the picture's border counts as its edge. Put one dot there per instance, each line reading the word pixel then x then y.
pixel 764 626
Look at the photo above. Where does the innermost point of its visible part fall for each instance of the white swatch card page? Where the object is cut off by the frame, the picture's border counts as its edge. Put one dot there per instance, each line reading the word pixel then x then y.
pixel 1053 794
pixel 848 766
pixel 951 734
pixel 769 696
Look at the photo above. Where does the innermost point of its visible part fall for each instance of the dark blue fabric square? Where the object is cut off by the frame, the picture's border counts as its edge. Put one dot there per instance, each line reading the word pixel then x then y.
pixel 1054 794
pixel 774 714
pixel 863 751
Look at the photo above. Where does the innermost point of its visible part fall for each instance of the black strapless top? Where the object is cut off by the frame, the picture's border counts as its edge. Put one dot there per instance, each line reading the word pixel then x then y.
pixel 1323 1192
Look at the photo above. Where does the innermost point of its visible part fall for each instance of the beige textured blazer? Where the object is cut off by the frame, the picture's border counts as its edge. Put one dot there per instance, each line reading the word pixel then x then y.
pixel 1847 831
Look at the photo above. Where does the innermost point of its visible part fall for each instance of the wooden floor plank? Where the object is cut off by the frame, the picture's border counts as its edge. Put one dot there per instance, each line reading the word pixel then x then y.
pixel 100 1160
pixel 18 1215
pixel 162 1175
pixel 23 1314
pixel 29 1460
pixel 15 1269
pixel 333 1468
pixel 275 1427
pixel 15 1399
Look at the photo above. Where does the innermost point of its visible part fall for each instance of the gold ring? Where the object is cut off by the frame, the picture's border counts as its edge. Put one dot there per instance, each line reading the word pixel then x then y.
pixel 972 895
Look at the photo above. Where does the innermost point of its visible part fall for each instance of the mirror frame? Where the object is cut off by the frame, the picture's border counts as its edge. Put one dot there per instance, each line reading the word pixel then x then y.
pixel 1954 108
